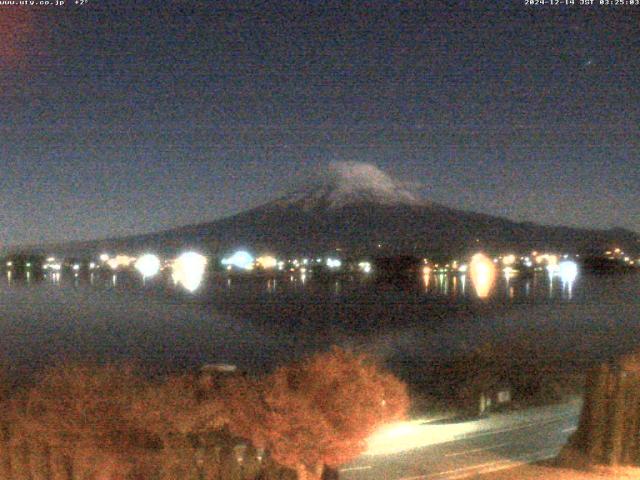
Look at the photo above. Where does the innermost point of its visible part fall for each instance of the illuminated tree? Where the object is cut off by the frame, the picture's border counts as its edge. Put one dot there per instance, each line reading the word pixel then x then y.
pixel 316 412
pixel 76 418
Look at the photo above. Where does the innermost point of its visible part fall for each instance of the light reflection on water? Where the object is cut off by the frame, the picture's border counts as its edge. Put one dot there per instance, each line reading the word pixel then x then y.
pixel 261 321
pixel 451 286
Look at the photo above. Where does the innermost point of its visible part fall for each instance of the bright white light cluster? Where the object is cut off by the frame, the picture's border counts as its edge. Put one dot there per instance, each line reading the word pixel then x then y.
pixel 52 264
pixel 334 263
pixel 240 259
pixel 568 271
pixel 188 270
pixel 148 265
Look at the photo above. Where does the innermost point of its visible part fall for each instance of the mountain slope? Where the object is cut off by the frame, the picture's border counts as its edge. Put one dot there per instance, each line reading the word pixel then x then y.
pixel 359 209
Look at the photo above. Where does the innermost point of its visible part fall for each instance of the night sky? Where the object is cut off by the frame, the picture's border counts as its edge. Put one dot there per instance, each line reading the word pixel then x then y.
pixel 118 118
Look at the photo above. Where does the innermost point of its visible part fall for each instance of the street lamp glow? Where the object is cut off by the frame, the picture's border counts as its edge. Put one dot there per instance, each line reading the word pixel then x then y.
pixel 333 263
pixel 188 270
pixel 148 265
pixel 568 271
pixel 118 261
pixel 241 259
pixel 509 260
pixel 267 262
pixel 104 257
pixel 483 274
pixel 365 267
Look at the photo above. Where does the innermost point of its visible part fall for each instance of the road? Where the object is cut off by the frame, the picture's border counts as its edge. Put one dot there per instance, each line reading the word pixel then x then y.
pixel 449 450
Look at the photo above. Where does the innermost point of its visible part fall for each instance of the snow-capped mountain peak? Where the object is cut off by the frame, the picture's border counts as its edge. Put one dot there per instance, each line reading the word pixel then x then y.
pixel 347 183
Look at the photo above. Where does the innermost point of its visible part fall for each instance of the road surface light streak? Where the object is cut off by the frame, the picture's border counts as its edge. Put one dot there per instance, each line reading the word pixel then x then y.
pixel 148 265
pixel 402 436
pixel 241 259
pixel 188 270
pixel 483 274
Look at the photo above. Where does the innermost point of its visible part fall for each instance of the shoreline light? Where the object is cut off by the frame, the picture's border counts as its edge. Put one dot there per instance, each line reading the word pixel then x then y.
pixel 188 270
pixel 267 262
pixel 365 267
pixel 240 259
pixel 148 265
pixel 568 271
pixel 483 274
pixel 334 263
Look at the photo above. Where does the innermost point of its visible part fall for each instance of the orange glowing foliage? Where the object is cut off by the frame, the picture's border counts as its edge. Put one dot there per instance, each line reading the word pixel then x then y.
pixel 177 405
pixel 317 412
pixel 82 405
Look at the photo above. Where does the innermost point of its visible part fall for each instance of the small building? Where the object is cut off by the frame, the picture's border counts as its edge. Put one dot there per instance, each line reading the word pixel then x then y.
pixel 211 373
pixel 493 398
pixel 479 401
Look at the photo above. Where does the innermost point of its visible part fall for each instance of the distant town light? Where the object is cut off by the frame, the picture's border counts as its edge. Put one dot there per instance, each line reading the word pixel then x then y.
pixel 188 270
pixel 267 262
pixel 148 265
pixel 241 259
pixel 76 267
pixel 509 260
pixel 365 267
pixel 483 274
pixel 334 263
pixel 568 271
pixel 104 257
pixel 120 261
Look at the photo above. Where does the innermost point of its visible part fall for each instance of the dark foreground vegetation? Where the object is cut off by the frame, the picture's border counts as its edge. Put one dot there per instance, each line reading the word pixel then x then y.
pixel 529 375
pixel 609 430
pixel 111 423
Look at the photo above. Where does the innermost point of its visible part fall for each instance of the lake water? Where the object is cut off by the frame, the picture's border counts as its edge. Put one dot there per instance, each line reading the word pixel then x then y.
pixel 259 323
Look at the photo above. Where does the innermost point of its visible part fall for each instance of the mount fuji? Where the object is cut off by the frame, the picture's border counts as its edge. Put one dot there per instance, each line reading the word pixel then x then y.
pixel 358 209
